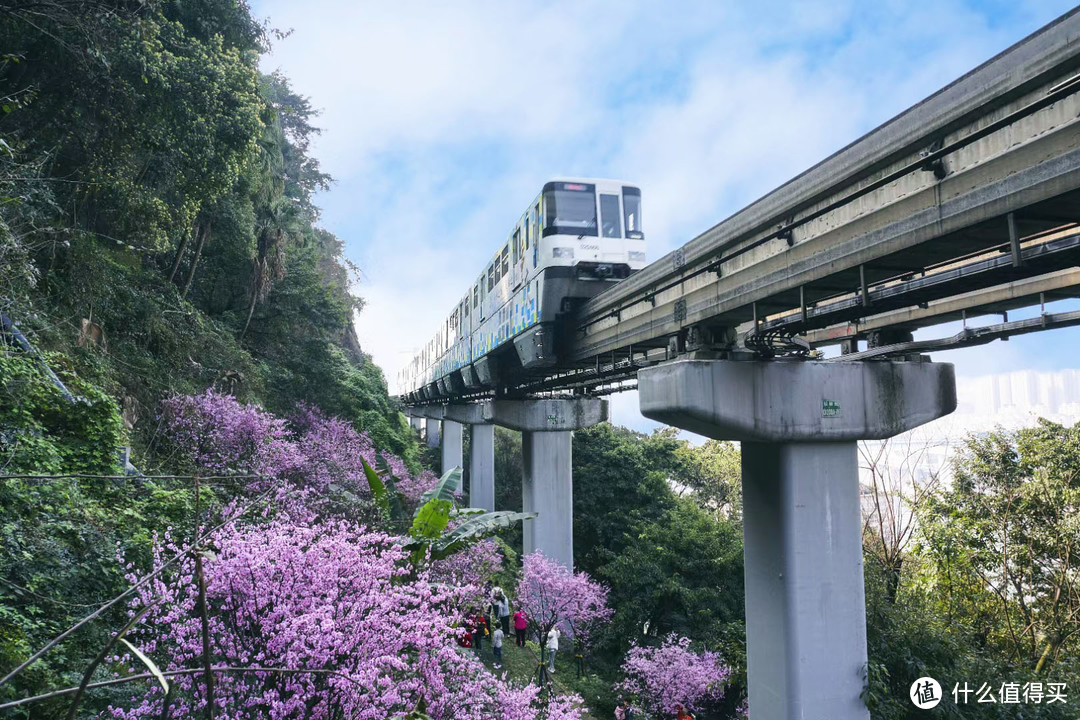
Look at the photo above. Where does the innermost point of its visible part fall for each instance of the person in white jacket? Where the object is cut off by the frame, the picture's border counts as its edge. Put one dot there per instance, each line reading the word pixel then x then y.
pixel 552 647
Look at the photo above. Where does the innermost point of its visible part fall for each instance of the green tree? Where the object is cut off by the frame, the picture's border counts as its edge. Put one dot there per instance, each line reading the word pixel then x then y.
pixel 711 473
pixel 1010 526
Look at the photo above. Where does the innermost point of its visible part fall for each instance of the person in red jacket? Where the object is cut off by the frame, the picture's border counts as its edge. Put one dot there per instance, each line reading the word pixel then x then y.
pixel 480 629
pixel 465 638
pixel 520 623
pixel 682 714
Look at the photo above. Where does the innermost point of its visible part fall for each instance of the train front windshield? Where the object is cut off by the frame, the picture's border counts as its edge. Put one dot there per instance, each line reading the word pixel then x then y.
pixel 570 209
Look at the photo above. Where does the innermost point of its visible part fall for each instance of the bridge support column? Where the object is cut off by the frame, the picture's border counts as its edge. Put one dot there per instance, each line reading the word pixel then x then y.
pixel 431 432
pixel 417 423
pixel 482 467
pixel 451 445
pixel 799 422
pixel 547 489
pixel 547 477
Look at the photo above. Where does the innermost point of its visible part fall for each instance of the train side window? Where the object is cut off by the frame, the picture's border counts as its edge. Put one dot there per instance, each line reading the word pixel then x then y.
pixel 475 295
pixel 610 222
pixel 516 244
pixel 491 277
pixel 505 260
pixel 631 198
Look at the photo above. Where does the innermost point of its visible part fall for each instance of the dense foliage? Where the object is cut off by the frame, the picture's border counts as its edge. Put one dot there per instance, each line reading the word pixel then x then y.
pixel 988 594
pixel 157 223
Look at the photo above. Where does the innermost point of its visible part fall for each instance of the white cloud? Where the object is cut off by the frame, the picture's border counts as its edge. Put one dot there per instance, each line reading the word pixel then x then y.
pixel 442 120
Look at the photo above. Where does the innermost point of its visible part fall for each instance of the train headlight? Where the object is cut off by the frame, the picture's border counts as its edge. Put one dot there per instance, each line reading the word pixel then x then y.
pixel 635 256
pixel 563 252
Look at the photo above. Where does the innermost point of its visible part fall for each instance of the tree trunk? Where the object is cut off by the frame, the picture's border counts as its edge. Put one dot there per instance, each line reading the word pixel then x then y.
pixel 1051 648
pixel 195 262
pixel 180 254
pixel 892 579
pixel 251 311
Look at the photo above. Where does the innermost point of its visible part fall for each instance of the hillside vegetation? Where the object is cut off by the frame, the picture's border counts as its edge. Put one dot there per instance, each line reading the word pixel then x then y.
pixel 157 227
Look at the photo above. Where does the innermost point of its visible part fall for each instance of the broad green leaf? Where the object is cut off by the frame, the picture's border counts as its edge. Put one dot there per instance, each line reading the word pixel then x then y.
pixel 431 519
pixel 448 484
pixel 476 528
pixel 397 511
pixel 378 489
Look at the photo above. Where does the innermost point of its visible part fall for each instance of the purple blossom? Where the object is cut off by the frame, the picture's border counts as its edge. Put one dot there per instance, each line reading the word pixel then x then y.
pixel 470 569
pixel 550 594
pixel 335 597
pixel 671 674
pixel 309 587
pixel 216 433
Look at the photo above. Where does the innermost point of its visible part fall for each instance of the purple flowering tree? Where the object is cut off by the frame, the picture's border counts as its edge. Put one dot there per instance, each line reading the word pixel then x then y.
pixel 332 450
pixel 552 595
pixel 309 612
pixel 470 569
pixel 332 598
pixel 671 674
pixel 215 433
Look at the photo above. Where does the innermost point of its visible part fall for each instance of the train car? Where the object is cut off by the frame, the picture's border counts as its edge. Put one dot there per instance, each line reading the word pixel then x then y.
pixel 575 239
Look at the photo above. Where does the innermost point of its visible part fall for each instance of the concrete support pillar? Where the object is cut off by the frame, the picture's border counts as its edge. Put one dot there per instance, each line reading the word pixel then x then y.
pixel 451 445
pixel 799 422
pixel 547 489
pixel 417 423
pixel 482 467
pixel 547 477
pixel 805 605
pixel 431 432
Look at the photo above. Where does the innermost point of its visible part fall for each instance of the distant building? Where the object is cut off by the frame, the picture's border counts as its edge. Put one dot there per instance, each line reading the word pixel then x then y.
pixel 909 463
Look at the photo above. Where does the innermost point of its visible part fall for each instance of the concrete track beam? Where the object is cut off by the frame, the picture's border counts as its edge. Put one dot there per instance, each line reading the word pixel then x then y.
pixel 548 415
pixel 802 531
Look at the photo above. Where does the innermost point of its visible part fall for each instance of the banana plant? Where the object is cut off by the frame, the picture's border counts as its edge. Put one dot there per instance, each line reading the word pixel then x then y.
pixel 428 536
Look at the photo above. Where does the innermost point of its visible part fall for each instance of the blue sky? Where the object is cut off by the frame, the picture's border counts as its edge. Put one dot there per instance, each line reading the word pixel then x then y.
pixel 442 120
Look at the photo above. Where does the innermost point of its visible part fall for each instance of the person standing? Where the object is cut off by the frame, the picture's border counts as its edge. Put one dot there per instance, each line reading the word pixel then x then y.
pixel 494 595
pixel 520 623
pixel 552 647
pixel 496 645
pixel 502 610
pixel 682 714
pixel 480 623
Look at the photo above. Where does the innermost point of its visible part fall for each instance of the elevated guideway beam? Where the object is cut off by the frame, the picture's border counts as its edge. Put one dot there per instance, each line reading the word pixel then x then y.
pixel 990 161
pixel 977 186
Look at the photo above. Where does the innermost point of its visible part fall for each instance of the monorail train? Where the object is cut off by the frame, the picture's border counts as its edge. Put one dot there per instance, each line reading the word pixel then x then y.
pixel 573 241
